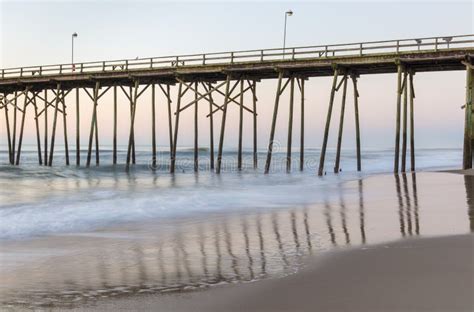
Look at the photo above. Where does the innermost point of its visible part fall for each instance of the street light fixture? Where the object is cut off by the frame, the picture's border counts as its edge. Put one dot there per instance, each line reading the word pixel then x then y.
pixel 74 35
pixel 287 13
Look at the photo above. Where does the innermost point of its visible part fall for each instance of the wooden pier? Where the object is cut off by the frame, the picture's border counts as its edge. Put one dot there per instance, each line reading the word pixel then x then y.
pixel 48 88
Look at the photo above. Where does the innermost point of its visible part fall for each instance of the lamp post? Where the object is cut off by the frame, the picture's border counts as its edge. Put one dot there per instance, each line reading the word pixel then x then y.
pixel 74 35
pixel 287 13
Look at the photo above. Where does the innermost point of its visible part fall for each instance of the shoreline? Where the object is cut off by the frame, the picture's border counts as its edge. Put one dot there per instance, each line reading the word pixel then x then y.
pixel 405 275
pixel 137 249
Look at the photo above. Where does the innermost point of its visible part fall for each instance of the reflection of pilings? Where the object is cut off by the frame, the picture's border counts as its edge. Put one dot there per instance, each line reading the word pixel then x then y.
pixel 408 204
pixel 342 213
pixel 203 252
pixel 469 183
pixel 129 267
pixel 263 261
pixel 295 231
pixel 415 203
pixel 327 214
pixel 362 212
pixel 247 247
pixel 228 243
pixel 185 257
pixel 218 253
pixel 278 238
pixel 306 229
pixel 400 205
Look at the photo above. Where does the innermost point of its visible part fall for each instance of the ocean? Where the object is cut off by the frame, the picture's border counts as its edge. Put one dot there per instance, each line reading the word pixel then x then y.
pixel 37 200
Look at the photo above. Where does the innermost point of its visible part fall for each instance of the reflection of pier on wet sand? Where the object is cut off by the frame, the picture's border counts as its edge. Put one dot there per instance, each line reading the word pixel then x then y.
pixel 185 254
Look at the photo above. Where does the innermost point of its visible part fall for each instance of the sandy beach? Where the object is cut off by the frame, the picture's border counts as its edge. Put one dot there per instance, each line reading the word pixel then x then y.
pixel 434 274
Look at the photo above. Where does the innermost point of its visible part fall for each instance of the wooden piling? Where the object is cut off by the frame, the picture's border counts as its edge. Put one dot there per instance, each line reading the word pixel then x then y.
pixel 15 110
pixel 468 121
pixel 328 123
pixel 153 127
pixel 7 123
pixel 196 136
pixel 66 146
pixel 211 130
pixel 222 132
pixel 341 126
pixel 170 122
pixel 53 131
pixel 131 139
pixel 45 127
pixel 254 102
pixel 38 135
pixel 241 121
pixel 302 126
pixel 290 125
pixel 397 126
pixel 96 134
pixel 274 119
pixel 22 127
pixel 405 121
pixel 78 128
pixel 357 125
pixel 133 130
pixel 412 122
pixel 114 148
pixel 176 125
pixel 94 114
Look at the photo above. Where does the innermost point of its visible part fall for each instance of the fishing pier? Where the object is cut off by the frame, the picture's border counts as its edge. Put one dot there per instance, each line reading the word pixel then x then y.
pixel 39 91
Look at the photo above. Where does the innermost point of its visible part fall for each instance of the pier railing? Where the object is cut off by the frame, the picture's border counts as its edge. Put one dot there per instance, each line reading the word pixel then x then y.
pixel 253 56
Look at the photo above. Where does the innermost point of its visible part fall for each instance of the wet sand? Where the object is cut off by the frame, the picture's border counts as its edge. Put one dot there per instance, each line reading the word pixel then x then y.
pixel 434 274
pixel 165 263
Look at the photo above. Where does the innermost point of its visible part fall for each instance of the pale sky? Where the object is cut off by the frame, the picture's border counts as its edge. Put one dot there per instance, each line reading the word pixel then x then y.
pixel 39 32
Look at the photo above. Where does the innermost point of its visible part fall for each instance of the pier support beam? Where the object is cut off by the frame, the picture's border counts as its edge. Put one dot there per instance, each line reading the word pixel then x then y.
pixel 114 147
pixel 356 115
pixel 38 135
pixel 78 130
pixel 341 125
pixel 55 119
pixel 211 131
pixel 94 116
pixel 15 111
pixel 254 102
pixel 222 132
pixel 272 131
pixel 290 125
pixel 132 130
pixel 131 139
pixel 7 124
pixel 302 125
pixel 176 125
pixel 22 127
pixel 412 122
pixel 46 104
pixel 397 125
pixel 328 123
pixel 196 128
pixel 241 121
pixel 405 121
pixel 170 122
pixel 469 119
pixel 66 146
pixel 153 127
